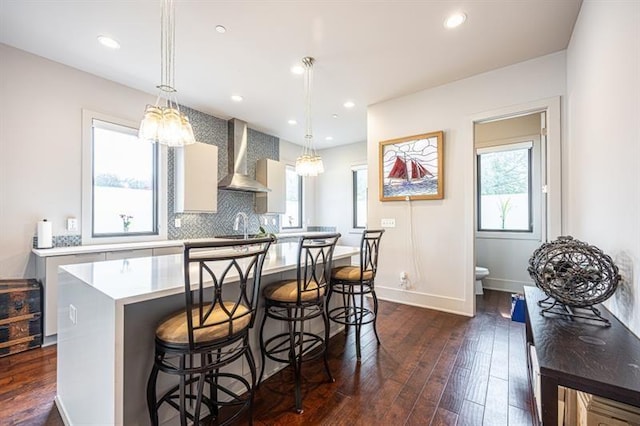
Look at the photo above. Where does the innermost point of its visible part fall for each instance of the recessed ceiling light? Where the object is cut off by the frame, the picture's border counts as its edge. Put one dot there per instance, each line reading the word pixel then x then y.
pixel 334 116
pixel 236 98
pixel 292 122
pixel 108 42
pixel 221 29
pixel 297 69
pixel 328 138
pixel 455 20
pixel 349 104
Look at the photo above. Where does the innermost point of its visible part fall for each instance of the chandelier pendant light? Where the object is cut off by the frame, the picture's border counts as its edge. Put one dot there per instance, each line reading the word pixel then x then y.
pixel 163 122
pixel 309 163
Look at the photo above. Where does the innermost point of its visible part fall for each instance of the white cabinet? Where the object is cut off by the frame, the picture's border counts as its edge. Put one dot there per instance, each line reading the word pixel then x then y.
pixel 271 173
pixel 196 178
pixel 47 273
pixel 162 251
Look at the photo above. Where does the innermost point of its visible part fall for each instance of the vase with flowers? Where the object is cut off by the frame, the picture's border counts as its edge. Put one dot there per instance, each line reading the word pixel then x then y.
pixel 126 221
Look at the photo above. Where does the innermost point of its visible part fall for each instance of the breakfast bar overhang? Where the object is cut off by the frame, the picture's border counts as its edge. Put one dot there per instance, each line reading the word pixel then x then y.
pixel 107 315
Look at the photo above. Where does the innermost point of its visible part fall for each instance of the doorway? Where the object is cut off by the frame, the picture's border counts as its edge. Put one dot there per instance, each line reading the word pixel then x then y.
pixel 510 198
pixel 517 190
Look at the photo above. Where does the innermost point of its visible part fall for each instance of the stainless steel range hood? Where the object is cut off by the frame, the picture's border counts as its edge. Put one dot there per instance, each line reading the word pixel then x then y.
pixel 237 179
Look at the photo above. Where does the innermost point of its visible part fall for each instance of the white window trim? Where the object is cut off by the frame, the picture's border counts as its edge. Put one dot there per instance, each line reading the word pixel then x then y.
pixel 87 174
pixel 354 168
pixel 303 224
pixel 506 147
pixel 533 142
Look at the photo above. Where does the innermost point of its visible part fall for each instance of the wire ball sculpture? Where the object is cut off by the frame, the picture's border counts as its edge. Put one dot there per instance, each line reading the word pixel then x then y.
pixel 573 272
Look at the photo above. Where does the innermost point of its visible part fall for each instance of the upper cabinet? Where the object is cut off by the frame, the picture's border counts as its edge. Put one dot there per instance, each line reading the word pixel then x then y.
pixel 271 173
pixel 196 178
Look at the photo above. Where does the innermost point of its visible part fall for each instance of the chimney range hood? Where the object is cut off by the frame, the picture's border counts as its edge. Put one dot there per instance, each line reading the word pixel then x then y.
pixel 237 179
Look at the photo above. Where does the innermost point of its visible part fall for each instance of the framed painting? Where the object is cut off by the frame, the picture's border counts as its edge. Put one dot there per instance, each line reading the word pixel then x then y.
pixel 412 168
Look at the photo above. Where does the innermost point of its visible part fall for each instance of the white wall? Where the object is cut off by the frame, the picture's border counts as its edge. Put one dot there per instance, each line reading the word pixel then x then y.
pixel 603 91
pixel 441 263
pixel 40 146
pixel 334 190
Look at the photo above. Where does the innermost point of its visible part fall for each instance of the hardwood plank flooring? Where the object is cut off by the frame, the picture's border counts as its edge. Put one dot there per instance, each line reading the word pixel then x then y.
pixel 433 368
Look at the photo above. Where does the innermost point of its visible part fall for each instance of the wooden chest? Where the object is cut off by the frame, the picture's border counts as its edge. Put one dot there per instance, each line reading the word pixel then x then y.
pixel 20 315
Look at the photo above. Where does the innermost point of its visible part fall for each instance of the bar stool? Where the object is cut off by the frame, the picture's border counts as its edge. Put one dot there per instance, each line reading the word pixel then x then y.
pixel 295 302
pixel 353 283
pixel 211 332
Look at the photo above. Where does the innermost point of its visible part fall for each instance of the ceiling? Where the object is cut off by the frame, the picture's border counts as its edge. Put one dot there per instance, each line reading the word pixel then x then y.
pixel 365 51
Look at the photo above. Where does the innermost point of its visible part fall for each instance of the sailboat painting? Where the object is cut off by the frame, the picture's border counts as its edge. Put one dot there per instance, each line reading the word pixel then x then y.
pixel 412 168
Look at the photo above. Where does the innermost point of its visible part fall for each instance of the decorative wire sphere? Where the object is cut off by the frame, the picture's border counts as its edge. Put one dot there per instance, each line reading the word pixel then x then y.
pixel 574 273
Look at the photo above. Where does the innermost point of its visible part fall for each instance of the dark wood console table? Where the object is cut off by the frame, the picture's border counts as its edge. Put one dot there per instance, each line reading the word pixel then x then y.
pixel 578 354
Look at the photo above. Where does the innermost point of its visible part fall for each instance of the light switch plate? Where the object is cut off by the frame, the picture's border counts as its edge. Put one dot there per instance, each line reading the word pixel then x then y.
pixel 388 223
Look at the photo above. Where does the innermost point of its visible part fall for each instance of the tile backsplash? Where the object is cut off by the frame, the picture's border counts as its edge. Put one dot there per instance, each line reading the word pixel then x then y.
pixel 213 130
pixel 62 241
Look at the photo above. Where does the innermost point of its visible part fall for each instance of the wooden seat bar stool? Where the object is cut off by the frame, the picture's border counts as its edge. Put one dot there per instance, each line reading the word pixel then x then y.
pixel 353 284
pixel 222 288
pixel 296 302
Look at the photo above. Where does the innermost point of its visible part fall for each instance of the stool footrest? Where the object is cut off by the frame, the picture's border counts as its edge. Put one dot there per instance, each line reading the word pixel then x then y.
pixel 225 397
pixel 352 315
pixel 312 346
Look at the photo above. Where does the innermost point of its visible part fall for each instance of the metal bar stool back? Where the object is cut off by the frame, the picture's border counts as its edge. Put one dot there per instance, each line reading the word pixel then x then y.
pixel 211 332
pixel 353 284
pixel 297 301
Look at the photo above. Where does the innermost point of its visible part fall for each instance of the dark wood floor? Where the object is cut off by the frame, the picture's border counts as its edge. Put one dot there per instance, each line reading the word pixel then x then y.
pixel 432 368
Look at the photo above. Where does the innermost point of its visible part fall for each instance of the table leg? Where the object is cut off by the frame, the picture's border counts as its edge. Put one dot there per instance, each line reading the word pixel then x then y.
pixel 549 400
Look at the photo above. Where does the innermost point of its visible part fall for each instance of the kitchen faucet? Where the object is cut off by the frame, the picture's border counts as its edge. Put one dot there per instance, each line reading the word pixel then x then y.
pixel 245 222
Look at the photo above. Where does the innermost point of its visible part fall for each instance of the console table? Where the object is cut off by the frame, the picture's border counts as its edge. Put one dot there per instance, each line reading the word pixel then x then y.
pixel 581 355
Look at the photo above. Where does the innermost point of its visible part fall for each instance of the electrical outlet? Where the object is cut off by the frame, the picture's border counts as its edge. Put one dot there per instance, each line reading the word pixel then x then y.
pixel 177 223
pixel 404 279
pixel 72 224
pixel 73 314
pixel 388 223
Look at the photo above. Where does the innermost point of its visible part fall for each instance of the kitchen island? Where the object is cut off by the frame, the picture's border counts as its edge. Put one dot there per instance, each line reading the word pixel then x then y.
pixel 107 314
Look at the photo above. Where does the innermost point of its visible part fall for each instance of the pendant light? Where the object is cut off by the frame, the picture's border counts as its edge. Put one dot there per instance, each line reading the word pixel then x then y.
pixel 163 122
pixel 309 162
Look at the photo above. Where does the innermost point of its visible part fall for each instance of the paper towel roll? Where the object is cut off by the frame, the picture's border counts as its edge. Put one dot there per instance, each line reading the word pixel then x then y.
pixel 45 234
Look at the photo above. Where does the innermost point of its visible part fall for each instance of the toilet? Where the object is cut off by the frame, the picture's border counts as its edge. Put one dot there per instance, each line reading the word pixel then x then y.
pixel 481 273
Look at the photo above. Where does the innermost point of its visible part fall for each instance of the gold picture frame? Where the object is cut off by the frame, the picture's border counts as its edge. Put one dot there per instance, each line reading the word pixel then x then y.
pixel 412 167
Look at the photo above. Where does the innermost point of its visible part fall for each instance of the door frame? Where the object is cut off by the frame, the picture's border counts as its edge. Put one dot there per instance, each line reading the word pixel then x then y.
pixel 553 162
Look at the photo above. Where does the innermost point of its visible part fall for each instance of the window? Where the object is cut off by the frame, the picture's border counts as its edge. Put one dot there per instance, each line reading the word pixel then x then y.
pixel 121 183
pixel 292 218
pixel 504 188
pixel 359 196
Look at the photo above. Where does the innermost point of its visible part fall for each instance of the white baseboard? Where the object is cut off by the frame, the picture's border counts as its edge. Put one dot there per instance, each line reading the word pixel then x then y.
pixel 422 300
pixel 509 286
pixel 63 412
pixel 49 340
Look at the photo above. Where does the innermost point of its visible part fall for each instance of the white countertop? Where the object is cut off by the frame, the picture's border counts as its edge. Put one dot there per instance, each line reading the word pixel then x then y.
pixel 96 248
pixel 145 278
